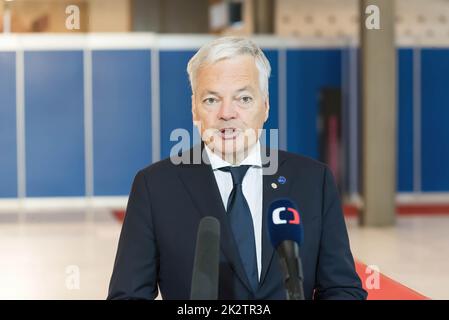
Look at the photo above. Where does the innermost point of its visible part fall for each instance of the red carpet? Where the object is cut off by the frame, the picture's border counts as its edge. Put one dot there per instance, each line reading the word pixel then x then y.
pixel 119 214
pixel 388 288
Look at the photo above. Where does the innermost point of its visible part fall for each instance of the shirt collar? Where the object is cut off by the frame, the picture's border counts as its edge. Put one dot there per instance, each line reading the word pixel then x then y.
pixel 253 158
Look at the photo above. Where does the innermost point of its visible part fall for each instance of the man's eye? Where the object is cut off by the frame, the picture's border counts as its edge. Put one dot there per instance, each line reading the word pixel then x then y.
pixel 210 101
pixel 246 99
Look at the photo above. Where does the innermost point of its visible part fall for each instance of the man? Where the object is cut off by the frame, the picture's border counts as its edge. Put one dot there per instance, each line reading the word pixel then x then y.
pixel 230 104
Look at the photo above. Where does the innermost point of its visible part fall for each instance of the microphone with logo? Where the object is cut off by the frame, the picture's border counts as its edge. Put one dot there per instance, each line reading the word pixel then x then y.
pixel 286 233
pixel 204 284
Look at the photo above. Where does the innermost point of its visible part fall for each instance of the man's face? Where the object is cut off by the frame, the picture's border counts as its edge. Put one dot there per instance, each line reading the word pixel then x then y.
pixel 228 105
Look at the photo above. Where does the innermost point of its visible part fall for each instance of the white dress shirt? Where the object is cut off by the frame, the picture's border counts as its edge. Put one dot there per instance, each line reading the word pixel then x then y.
pixel 251 186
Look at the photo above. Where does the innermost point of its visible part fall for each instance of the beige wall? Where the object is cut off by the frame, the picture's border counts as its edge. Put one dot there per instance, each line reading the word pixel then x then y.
pixel 328 18
pixel 109 15
pixel 50 16
pixel 43 16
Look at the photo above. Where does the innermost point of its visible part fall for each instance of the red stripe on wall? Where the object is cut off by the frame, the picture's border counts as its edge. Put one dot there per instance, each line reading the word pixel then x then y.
pixel 405 209
pixel 353 211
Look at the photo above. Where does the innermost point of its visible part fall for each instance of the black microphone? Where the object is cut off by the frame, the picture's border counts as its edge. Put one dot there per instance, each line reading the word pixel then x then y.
pixel 205 266
pixel 286 233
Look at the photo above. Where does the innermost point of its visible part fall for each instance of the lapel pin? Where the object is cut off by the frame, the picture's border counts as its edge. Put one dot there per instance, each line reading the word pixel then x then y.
pixel 282 180
pixel 274 185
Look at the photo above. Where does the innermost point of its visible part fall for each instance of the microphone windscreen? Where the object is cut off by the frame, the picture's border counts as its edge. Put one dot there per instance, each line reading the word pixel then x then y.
pixel 206 263
pixel 284 222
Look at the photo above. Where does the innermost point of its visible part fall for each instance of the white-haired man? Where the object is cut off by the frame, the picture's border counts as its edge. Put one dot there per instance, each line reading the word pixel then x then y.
pixel 230 104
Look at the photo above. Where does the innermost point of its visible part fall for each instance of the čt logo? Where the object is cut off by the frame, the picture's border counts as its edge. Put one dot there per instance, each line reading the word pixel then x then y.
pixel 277 216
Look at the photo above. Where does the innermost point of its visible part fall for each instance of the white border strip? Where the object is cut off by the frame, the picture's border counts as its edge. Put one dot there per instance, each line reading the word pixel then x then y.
pixel 136 40
pixel 422 198
pixel 182 42
pixel 46 41
pixel 105 41
pixel 62 204
pixel 20 125
pixel 88 124
pixel 155 107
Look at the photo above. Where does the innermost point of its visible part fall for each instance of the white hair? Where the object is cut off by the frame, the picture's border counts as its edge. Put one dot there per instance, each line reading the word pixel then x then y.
pixel 226 48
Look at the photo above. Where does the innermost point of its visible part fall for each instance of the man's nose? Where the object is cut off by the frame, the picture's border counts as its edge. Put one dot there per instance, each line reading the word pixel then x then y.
pixel 227 110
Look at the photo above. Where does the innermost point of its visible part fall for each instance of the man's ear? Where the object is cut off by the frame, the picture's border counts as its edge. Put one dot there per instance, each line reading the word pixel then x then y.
pixel 194 115
pixel 267 108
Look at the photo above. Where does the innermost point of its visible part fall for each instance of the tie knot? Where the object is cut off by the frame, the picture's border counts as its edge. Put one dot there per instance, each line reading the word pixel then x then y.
pixel 238 173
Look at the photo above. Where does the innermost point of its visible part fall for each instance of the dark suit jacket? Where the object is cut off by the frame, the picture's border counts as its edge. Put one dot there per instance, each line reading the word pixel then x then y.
pixel 167 201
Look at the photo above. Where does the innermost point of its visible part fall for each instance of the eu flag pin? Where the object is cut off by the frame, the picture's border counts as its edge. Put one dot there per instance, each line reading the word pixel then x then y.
pixel 282 180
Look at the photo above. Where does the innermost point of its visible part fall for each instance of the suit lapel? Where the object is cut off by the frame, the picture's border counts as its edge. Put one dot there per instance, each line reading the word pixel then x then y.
pixel 199 180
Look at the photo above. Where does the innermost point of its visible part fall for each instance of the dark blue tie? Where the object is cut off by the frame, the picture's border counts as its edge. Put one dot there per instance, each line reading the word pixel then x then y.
pixel 241 222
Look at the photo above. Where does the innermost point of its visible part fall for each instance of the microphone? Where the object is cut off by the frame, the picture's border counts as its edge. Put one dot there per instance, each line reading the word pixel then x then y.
pixel 204 284
pixel 287 234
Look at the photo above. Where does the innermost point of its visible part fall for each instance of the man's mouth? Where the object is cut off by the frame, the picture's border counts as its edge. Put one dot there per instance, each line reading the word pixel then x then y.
pixel 228 133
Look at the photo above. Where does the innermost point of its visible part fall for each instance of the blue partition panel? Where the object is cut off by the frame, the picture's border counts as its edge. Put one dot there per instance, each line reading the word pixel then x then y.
pixel 121 87
pixel 54 127
pixel 8 151
pixel 175 99
pixel 435 119
pixel 308 70
pixel 121 82
pixel 405 121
